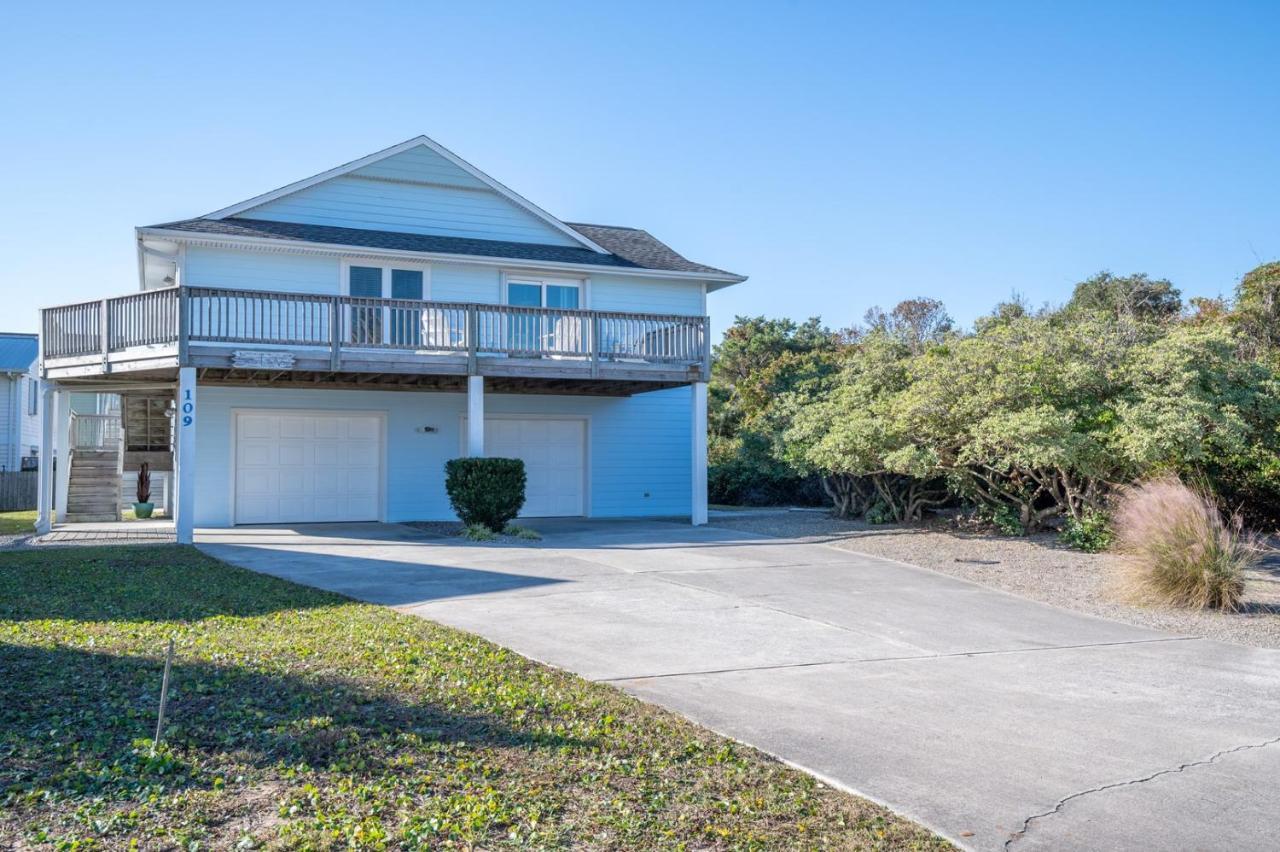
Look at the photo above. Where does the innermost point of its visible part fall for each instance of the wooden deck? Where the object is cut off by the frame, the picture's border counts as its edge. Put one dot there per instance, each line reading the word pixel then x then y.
pixel 263 338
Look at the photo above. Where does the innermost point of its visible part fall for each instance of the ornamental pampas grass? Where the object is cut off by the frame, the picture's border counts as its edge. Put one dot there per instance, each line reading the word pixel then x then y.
pixel 1177 549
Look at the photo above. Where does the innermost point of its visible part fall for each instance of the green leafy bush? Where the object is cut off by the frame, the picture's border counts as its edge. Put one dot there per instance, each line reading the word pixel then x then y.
pixel 1007 521
pixel 1178 549
pixel 1090 533
pixel 488 491
pixel 879 512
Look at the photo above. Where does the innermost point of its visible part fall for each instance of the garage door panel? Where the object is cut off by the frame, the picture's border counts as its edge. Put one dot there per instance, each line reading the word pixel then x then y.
pixel 329 481
pixel 253 453
pixel 554 455
pixel 362 454
pixel 293 483
pixel 293 426
pixel 363 428
pixel 254 426
pixel 256 482
pixel 330 508
pixel 307 467
pixel 330 427
pixel 292 455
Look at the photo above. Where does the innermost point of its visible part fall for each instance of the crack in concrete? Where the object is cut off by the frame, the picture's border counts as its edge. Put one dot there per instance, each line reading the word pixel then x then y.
pixel 1062 803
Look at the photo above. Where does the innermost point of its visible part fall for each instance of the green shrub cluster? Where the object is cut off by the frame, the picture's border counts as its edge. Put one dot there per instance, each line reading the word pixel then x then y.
pixel 485 491
pixel 1091 532
pixel 1034 417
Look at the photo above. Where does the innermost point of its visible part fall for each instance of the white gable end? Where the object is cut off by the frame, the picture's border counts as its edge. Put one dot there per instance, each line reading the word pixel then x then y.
pixel 416 191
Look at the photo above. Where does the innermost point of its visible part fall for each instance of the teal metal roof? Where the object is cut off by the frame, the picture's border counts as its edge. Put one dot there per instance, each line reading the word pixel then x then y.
pixel 17 352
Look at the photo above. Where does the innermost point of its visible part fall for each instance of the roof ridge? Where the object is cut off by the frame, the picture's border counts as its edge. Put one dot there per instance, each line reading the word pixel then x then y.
pixel 597 225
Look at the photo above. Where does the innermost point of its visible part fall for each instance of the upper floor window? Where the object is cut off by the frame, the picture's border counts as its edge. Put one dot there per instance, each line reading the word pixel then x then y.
pixel 546 332
pixel 33 397
pixel 531 293
pixel 376 324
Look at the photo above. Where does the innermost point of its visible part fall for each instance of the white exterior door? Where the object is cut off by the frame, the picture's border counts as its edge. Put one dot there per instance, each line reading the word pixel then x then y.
pixel 307 467
pixel 554 456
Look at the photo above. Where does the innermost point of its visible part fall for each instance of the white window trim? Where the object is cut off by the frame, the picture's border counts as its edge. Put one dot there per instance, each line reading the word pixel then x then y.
pixel 581 284
pixel 344 283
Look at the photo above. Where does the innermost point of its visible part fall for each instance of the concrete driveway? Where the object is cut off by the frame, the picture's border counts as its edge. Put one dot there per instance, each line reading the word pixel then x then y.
pixel 996 721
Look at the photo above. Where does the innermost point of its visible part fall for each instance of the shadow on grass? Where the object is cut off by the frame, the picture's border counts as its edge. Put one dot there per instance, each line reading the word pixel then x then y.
pixel 143 583
pixel 70 721
pixel 138 583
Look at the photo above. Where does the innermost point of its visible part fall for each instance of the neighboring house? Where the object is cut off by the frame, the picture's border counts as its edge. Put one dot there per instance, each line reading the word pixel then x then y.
pixel 332 343
pixel 19 401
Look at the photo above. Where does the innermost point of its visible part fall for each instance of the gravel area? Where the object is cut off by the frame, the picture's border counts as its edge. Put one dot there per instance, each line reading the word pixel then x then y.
pixel 440 528
pixel 1037 567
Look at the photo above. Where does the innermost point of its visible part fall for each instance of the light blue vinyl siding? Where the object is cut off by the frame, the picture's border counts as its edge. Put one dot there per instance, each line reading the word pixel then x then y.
pixel 354 202
pixel 460 282
pixel 639 448
pixel 416 192
pixel 423 165
pixel 645 295
pixel 257 270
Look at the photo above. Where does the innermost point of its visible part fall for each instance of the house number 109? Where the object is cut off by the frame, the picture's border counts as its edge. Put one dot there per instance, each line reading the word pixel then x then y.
pixel 188 409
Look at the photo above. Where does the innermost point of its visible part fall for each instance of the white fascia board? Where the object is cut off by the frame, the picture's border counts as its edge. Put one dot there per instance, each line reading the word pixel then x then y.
pixel 347 168
pixel 339 250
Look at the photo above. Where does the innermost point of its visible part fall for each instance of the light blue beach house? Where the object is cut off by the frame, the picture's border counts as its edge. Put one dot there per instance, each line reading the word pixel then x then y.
pixel 317 353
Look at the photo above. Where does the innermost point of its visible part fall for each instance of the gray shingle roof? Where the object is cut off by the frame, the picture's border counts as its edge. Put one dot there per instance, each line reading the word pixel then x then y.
pixel 629 248
pixel 17 352
pixel 641 248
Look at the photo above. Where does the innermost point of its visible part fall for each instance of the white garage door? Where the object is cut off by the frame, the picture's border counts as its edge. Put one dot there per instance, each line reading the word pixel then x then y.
pixel 302 467
pixel 554 455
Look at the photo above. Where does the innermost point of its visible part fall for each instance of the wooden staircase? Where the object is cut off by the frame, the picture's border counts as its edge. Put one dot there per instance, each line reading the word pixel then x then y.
pixel 93 493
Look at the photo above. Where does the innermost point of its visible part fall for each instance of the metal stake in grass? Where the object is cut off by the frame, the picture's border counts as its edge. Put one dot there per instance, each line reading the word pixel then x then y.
pixel 164 696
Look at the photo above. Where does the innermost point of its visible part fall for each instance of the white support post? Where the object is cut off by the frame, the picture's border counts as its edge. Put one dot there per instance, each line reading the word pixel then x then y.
pixel 185 452
pixel 62 440
pixel 699 513
pixel 45 481
pixel 475 416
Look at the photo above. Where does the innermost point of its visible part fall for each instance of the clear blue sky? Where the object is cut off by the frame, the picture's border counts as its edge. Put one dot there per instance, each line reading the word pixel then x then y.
pixel 842 155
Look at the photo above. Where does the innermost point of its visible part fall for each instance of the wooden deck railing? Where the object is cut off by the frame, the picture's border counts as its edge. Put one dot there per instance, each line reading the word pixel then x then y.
pixel 219 315
pixel 95 431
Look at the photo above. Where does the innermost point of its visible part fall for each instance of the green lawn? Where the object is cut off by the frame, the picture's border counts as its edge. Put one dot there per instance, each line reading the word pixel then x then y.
pixel 302 719
pixel 14 523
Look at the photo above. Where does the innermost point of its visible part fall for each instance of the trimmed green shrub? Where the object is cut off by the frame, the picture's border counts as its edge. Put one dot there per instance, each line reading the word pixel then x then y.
pixel 487 491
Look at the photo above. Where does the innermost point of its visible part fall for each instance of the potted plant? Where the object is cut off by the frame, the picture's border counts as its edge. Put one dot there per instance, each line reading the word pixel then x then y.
pixel 144 506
